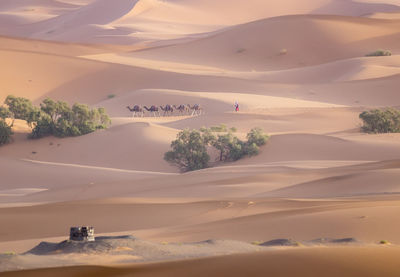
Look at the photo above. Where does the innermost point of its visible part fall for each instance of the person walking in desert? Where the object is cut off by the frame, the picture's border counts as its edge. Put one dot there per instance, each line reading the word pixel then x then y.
pixel 236 106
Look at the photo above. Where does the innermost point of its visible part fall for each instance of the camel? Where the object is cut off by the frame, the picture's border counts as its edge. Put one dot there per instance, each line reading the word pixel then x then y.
pixel 153 109
pixel 167 110
pixel 136 110
pixel 182 109
pixel 196 109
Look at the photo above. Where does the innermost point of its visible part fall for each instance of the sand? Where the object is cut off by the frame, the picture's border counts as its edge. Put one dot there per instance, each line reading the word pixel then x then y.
pixel 298 70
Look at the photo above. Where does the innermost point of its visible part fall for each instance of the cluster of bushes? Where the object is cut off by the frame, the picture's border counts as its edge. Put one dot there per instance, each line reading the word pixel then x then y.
pixel 189 150
pixel 55 118
pixel 379 53
pixel 381 121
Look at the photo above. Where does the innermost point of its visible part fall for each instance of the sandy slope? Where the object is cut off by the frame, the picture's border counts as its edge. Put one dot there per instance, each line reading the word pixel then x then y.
pixel 371 261
pixel 258 45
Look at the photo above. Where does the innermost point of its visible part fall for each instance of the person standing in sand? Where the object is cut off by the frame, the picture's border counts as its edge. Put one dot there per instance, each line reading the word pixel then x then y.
pixel 236 106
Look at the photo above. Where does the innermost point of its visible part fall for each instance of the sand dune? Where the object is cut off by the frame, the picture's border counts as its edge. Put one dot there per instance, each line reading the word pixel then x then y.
pixel 87 20
pixel 258 45
pixel 95 147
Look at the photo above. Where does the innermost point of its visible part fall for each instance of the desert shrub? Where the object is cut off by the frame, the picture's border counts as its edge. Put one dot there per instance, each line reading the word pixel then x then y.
pixel 19 108
pixel 257 136
pixel 5 132
pixel 381 121
pixel 220 128
pixel 189 151
pixel 378 53
pixel 110 96
pixel 385 242
pixel 5 113
pixel 55 118
pixel 229 146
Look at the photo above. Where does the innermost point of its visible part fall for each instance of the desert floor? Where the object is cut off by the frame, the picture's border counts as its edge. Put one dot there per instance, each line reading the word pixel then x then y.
pixel 298 70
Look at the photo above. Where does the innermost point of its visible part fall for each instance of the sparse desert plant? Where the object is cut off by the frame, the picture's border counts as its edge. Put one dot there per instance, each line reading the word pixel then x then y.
pixel 110 96
pixel 220 128
pixel 9 253
pixel 257 242
pixel 381 121
pixel 379 53
pixel 240 50
pixel 5 128
pixel 384 242
pixel 257 136
pixel 5 132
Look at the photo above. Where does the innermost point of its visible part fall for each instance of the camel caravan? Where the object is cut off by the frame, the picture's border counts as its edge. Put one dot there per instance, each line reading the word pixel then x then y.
pixel 167 110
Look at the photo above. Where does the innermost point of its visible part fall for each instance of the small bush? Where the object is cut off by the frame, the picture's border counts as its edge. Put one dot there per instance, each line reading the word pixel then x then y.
pixel 220 128
pixel 384 242
pixel 5 132
pixel 381 121
pixel 379 53
pixel 110 96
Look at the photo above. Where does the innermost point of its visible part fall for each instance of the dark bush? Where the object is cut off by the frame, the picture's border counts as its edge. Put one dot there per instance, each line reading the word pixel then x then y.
pixel 381 121
pixel 5 132
pixel 189 150
pixel 379 53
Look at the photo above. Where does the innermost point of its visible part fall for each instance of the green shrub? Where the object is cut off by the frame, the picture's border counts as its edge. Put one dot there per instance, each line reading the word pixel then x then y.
pixel 20 108
pixel 381 121
pixel 379 52
pixel 257 136
pixel 110 96
pixel 220 128
pixel 5 132
pixel 385 242
pixel 189 151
